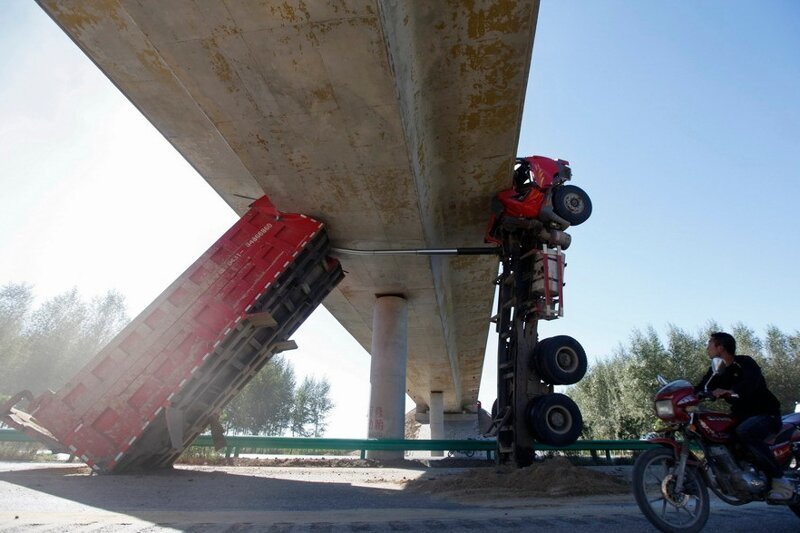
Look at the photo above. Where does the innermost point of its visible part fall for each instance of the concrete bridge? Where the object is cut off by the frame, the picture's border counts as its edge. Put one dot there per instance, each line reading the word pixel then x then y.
pixel 392 121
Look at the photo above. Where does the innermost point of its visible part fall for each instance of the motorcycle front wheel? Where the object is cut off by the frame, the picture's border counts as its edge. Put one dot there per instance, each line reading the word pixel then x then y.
pixel 654 480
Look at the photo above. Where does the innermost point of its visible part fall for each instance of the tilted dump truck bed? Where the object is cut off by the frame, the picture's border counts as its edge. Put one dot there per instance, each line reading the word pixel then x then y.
pixel 159 383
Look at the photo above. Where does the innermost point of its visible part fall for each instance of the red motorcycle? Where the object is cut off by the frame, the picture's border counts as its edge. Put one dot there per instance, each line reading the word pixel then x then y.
pixel 700 451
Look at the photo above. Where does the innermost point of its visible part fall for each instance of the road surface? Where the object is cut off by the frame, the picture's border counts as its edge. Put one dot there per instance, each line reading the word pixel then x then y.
pixel 42 497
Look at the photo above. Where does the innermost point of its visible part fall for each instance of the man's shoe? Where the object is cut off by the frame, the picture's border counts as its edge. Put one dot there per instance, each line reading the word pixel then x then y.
pixel 782 489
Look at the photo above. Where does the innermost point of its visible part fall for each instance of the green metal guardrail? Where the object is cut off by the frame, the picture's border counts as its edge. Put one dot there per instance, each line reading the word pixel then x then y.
pixel 236 443
pixel 11 435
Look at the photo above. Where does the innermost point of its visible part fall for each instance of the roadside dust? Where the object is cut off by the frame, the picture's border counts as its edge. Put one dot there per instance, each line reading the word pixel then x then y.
pixel 556 477
pixel 327 462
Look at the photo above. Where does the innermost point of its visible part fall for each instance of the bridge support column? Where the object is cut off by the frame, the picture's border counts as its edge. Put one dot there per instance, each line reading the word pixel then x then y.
pixel 387 374
pixel 437 420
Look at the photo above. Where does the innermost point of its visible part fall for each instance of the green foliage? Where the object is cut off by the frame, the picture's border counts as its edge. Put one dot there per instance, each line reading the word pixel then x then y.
pixel 264 405
pixel 781 368
pixel 24 451
pixel 616 395
pixel 41 348
pixel 271 405
pixel 15 304
pixel 311 406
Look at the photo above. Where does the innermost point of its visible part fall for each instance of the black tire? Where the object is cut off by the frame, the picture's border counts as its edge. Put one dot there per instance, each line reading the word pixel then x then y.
pixel 685 512
pixel 572 204
pixel 794 468
pixel 560 360
pixel 795 507
pixel 554 419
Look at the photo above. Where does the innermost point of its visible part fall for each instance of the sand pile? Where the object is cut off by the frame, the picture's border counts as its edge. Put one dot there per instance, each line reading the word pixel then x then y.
pixel 553 478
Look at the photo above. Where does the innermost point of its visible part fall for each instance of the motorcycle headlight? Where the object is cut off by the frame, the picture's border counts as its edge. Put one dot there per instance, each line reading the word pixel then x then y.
pixel 664 409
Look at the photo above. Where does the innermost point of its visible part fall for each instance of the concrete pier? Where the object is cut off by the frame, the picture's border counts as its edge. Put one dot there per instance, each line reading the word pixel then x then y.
pixel 388 373
pixel 437 419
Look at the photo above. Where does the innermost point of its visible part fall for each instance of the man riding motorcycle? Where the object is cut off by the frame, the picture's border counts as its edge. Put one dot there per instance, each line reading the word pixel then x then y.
pixel 742 385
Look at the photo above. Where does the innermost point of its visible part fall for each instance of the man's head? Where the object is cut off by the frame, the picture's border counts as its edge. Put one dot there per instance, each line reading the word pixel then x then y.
pixel 721 344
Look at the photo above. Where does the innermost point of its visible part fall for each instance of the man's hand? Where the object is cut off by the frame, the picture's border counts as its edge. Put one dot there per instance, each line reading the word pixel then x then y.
pixel 721 393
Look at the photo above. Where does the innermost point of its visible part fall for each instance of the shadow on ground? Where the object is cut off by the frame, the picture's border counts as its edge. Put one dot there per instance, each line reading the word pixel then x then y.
pixel 63 489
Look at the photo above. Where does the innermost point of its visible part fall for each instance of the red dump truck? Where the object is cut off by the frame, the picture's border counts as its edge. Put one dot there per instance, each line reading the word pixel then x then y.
pixel 159 383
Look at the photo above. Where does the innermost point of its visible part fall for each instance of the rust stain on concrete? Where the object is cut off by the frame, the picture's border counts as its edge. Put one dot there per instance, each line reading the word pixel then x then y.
pixel 220 65
pixel 262 142
pixel 494 100
pixel 288 13
pixel 500 16
pixel 77 17
pixel 342 6
pixel 152 61
pixel 226 31
pixel 323 94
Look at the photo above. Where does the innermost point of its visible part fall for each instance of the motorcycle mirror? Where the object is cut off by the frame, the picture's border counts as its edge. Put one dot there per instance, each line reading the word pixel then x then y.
pixel 717 364
pixel 661 380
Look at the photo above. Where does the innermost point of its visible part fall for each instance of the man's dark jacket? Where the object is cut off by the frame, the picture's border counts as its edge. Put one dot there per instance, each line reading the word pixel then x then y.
pixel 743 377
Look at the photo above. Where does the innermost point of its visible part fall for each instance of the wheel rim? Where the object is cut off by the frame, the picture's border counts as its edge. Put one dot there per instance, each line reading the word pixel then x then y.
pixel 574 203
pixel 567 360
pixel 679 510
pixel 559 420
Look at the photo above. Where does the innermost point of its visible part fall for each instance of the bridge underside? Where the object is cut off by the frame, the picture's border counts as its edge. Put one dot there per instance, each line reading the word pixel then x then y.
pixel 394 122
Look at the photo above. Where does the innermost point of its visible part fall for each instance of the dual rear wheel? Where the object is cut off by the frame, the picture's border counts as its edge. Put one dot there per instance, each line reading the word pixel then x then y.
pixel 554 418
pixel 560 360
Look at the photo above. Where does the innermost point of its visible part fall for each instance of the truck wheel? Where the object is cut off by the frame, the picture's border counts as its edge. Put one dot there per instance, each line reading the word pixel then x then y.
pixel 555 419
pixel 560 360
pixel 572 204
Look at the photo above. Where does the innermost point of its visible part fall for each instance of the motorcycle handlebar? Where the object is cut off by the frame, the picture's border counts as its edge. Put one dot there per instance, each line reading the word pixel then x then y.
pixel 706 395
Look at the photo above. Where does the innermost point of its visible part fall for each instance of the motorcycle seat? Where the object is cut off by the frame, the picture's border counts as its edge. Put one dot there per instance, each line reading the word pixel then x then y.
pixel 783 435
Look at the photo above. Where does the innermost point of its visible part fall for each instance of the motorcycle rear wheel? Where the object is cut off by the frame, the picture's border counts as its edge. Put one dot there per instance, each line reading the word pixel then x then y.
pixel 654 488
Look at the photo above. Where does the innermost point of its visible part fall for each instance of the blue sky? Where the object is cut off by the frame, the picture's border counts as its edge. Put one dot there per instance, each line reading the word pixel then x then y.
pixel 681 120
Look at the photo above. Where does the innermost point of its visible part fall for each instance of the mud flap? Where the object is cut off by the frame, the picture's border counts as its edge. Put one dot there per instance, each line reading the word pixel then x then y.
pixel 175 427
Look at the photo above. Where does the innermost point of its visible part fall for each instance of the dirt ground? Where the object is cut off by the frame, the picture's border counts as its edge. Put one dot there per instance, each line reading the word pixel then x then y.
pixel 455 480
pixel 553 478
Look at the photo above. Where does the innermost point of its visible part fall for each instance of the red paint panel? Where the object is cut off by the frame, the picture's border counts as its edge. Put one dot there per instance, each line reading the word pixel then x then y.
pixel 107 405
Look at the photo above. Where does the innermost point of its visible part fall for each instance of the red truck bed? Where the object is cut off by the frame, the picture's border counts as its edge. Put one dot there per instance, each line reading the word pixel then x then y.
pixel 145 397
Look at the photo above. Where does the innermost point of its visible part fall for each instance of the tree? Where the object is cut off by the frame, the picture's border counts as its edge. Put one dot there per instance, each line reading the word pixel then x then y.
pixel 51 336
pixel 42 349
pixel 264 406
pixel 320 406
pixel 311 407
pixel 15 305
pixel 747 342
pixel 781 368
pixel 105 318
pixel 616 395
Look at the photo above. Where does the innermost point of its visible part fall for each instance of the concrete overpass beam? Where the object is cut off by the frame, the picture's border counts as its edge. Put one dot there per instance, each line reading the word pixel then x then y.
pixel 388 373
pixel 437 419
